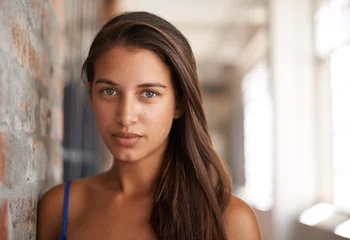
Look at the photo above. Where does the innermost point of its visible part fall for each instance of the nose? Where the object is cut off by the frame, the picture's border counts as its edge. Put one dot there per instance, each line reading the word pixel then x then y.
pixel 127 113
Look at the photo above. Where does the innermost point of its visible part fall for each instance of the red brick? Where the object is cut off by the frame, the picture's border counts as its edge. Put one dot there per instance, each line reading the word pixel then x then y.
pixel 61 48
pixel 58 7
pixel 45 22
pixel 25 106
pixel 45 68
pixel 34 61
pixel 59 79
pixel 19 40
pixel 4 228
pixel 2 159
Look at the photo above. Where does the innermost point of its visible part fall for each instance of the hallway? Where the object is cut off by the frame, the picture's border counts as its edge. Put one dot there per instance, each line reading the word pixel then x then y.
pixel 275 80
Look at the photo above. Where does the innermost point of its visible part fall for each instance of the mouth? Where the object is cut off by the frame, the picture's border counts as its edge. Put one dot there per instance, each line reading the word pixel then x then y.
pixel 127 139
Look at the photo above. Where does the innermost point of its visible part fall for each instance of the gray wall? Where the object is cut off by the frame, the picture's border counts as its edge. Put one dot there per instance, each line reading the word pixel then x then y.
pixel 31 91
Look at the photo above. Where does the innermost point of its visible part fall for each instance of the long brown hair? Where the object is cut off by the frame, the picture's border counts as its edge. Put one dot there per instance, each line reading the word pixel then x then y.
pixel 194 186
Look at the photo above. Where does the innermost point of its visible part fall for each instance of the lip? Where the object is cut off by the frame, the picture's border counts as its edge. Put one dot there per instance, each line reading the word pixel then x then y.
pixel 126 135
pixel 127 139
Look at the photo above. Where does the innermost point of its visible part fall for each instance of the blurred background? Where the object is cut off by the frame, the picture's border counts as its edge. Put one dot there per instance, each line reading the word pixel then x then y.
pixel 275 77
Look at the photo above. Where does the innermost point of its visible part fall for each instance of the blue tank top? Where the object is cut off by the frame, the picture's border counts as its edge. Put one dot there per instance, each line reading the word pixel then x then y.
pixel 65 211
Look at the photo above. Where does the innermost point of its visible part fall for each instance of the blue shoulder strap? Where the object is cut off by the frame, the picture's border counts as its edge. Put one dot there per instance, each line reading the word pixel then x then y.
pixel 65 211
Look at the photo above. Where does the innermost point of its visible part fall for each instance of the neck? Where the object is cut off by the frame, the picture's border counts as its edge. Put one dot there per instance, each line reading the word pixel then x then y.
pixel 138 178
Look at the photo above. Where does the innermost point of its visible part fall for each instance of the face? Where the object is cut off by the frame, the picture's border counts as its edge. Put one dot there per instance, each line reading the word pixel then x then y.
pixel 133 100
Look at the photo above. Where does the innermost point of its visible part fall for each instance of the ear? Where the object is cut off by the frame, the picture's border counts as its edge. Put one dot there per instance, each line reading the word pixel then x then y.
pixel 179 110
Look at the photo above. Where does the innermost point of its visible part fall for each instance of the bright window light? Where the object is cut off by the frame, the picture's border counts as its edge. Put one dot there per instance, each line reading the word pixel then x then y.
pixel 258 137
pixel 343 229
pixel 316 214
pixel 332 26
pixel 340 83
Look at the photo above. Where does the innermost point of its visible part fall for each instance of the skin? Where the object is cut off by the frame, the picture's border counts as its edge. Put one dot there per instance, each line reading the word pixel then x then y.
pixel 132 92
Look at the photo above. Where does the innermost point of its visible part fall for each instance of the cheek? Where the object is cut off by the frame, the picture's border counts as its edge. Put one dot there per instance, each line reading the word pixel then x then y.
pixel 160 118
pixel 103 114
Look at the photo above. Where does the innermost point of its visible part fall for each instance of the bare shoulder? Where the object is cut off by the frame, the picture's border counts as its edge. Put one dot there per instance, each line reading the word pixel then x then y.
pixel 50 212
pixel 240 221
pixel 50 209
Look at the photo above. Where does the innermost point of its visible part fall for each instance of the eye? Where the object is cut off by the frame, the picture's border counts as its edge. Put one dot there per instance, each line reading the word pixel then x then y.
pixel 149 94
pixel 109 91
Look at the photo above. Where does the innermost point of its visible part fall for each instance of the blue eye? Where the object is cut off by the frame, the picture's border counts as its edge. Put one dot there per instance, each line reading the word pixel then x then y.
pixel 109 91
pixel 149 94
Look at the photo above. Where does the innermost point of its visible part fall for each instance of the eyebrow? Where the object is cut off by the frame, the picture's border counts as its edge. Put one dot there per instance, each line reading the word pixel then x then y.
pixel 105 81
pixel 144 85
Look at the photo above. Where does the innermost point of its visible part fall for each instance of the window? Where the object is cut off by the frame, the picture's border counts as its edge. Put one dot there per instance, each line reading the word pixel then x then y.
pixel 332 50
pixel 332 43
pixel 258 137
pixel 340 86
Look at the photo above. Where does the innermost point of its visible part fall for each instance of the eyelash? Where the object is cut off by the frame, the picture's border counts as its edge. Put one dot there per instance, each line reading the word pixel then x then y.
pixel 106 89
pixel 151 91
pixel 146 91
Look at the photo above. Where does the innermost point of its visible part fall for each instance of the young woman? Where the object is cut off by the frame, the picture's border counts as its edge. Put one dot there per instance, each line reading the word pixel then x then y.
pixel 166 181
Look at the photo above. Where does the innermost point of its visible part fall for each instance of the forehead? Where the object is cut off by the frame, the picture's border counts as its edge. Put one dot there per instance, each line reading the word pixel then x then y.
pixel 130 65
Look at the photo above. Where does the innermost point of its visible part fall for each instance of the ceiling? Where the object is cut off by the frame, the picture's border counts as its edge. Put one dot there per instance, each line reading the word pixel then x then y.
pixel 217 30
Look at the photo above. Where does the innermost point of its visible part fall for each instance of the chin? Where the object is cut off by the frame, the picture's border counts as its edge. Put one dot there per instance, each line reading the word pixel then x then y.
pixel 123 155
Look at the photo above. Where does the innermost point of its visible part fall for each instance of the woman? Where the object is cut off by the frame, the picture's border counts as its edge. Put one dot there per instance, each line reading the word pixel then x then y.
pixel 166 181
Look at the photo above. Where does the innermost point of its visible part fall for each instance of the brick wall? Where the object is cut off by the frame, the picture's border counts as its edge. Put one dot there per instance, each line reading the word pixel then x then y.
pixel 32 43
